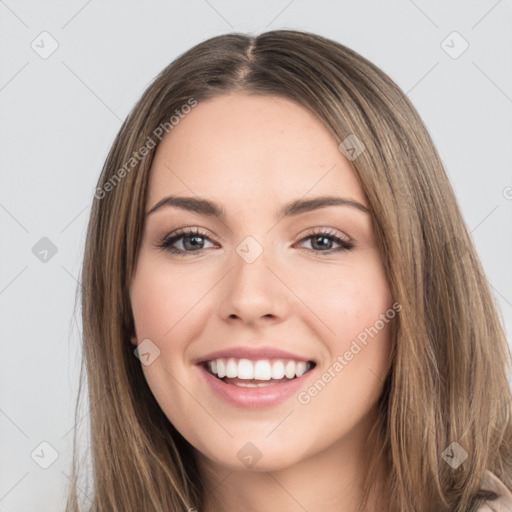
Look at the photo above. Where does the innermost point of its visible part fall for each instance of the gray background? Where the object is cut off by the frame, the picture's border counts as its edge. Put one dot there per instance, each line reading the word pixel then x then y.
pixel 59 116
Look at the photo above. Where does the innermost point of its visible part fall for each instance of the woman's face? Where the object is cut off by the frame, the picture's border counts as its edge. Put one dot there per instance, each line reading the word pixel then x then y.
pixel 275 285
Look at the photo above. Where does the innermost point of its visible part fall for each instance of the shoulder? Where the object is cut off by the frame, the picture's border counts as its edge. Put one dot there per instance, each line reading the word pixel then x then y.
pixel 491 482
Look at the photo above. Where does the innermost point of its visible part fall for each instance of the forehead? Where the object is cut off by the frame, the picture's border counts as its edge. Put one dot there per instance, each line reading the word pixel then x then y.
pixel 250 148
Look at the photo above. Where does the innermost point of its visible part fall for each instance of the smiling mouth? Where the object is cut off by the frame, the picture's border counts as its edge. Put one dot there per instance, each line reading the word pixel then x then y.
pixel 257 373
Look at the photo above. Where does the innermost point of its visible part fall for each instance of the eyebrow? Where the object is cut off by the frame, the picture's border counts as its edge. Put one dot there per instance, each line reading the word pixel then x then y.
pixel 295 207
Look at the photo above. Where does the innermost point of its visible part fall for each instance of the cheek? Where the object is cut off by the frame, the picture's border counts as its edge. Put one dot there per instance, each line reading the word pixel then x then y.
pixel 166 309
pixel 345 301
pixel 351 309
pixel 359 347
pixel 165 302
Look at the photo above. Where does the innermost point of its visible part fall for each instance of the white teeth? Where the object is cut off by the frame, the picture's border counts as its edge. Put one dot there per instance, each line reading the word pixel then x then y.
pixel 231 368
pixel 278 370
pixel 262 369
pixel 245 369
pixel 301 369
pixel 290 370
pixel 221 368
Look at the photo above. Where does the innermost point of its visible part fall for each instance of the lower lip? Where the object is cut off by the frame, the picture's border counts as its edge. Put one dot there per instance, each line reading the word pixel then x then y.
pixel 253 398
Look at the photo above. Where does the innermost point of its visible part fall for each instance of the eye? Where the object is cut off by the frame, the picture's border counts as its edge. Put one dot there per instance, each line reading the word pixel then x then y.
pixel 324 239
pixel 192 240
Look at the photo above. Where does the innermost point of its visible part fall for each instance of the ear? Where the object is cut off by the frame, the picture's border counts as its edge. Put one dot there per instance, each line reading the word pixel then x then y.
pixel 133 341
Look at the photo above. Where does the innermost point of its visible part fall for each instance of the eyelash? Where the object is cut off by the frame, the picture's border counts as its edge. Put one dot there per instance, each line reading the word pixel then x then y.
pixel 166 244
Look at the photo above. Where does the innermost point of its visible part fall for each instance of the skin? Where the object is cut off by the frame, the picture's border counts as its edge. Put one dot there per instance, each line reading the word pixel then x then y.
pixel 252 155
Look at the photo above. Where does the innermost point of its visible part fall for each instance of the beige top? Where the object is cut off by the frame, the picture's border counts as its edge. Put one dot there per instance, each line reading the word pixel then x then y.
pixel 491 482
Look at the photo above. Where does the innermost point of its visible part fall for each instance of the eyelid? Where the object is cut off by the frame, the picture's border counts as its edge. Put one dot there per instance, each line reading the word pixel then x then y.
pixel 345 242
pixel 310 231
pixel 327 231
pixel 180 233
pixel 166 243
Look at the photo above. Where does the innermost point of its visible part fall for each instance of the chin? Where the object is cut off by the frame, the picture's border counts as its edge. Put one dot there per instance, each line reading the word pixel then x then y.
pixel 261 455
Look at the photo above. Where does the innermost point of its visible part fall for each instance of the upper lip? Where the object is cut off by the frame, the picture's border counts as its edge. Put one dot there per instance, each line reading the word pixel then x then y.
pixel 253 353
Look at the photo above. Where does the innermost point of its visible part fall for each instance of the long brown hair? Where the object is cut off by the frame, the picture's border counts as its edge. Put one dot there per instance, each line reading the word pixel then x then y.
pixel 448 377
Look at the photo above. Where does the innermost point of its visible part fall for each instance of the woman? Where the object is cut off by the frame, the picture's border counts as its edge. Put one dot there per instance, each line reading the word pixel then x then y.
pixel 282 306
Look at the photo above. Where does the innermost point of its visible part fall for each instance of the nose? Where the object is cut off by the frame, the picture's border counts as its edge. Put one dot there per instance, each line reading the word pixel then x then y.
pixel 254 292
